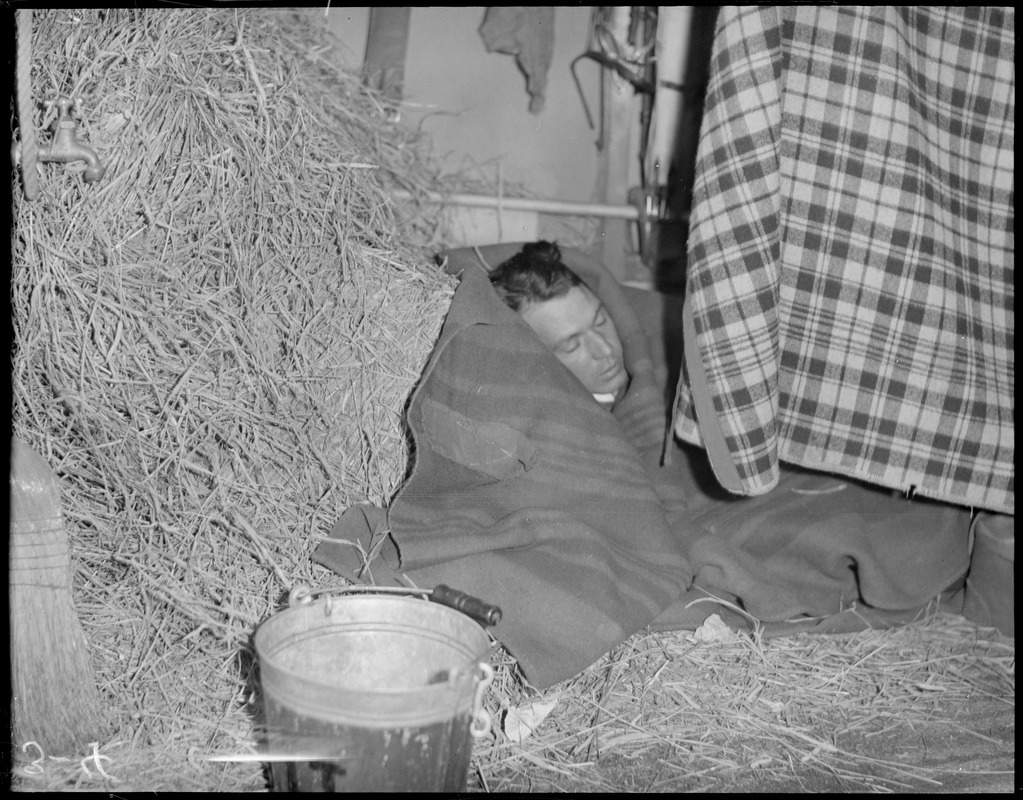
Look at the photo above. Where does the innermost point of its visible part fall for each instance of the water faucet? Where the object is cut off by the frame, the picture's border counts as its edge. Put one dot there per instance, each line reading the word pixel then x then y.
pixel 66 147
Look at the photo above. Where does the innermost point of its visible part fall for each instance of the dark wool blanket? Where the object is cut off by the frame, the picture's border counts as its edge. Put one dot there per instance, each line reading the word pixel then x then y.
pixel 852 248
pixel 528 494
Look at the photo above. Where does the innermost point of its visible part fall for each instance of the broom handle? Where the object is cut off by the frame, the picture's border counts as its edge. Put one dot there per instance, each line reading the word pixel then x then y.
pixel 525 204
pixel 26 123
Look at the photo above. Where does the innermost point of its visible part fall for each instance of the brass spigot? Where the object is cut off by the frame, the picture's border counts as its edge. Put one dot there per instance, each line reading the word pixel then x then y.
pixel 66 147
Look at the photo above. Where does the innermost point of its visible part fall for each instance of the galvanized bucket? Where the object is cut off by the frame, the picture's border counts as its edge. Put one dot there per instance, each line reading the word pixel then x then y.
pixel 372 692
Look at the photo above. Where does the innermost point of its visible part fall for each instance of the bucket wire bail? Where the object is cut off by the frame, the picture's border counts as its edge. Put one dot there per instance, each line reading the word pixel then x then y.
pixel 481 720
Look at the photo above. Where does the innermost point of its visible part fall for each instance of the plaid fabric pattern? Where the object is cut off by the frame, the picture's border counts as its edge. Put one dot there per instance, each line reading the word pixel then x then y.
pixel 851 248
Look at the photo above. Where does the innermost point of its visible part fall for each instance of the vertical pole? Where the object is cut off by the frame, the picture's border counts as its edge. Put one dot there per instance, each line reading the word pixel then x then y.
pixel 386 46
pixel 620 115
pixel 672 49
pixel 682 175
pixel 26 106
pixel 697 74
pixel 671 108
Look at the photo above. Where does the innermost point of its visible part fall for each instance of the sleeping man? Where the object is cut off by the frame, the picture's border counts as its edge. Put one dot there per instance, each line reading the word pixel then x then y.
pixel 524 491
pixel 785 555
pixel 529 495
pixel 566 316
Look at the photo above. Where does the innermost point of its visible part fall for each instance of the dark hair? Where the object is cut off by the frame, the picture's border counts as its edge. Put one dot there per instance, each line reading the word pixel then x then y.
pixel 534 274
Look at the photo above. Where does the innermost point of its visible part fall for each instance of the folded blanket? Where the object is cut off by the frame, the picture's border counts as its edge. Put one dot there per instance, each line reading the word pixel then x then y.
pixel 526 492
pixel 851 250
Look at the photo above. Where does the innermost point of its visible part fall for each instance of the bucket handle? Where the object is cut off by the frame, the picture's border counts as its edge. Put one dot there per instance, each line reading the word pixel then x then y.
pixel 481 719
pixel 483 612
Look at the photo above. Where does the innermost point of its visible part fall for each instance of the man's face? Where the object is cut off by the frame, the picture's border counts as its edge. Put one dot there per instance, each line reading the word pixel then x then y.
pixel 580 332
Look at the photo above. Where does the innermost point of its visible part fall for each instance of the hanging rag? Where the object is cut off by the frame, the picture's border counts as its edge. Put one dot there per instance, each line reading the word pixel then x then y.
pixel 851 250
pixel 526 32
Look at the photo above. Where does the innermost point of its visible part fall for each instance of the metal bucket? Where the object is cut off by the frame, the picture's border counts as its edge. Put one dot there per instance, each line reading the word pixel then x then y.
pixel 370 692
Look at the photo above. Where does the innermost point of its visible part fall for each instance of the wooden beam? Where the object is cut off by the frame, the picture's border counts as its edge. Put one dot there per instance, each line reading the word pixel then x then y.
pixel 386 46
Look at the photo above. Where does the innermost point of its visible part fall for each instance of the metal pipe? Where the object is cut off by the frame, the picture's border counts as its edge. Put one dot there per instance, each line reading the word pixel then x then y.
pixel 526 204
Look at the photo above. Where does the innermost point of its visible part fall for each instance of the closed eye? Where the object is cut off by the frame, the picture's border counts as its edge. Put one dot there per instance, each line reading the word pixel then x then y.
pixel 569 345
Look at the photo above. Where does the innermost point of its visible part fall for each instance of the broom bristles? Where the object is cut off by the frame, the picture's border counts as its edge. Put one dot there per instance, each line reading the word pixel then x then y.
pixel 55 702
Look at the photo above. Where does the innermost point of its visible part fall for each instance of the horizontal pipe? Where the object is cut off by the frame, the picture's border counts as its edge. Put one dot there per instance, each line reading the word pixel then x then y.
pixel 526 204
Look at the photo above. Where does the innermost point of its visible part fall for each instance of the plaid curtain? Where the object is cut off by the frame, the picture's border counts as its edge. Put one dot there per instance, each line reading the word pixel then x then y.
pixel 849 295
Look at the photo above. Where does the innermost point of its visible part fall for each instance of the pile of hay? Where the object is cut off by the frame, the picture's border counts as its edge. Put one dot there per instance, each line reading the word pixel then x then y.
pixel 719 711
pixel 213 348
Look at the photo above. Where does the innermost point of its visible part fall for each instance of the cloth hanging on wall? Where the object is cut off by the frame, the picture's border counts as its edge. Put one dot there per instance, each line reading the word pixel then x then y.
pixel 851 250
pixel 526 32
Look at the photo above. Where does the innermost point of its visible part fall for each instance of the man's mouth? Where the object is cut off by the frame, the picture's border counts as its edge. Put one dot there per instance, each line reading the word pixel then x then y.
pixel 613 370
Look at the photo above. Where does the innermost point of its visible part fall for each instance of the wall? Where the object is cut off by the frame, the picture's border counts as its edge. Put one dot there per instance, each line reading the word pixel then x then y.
pixel 475 106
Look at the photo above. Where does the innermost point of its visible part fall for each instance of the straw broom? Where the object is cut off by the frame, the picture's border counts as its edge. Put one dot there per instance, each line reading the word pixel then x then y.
pixel 55 702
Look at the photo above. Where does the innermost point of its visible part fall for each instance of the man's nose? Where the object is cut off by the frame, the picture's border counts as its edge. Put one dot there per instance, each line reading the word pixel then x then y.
pixel 600 347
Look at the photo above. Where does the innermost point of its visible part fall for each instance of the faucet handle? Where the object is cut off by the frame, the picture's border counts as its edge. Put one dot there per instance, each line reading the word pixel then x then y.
pixel 64 103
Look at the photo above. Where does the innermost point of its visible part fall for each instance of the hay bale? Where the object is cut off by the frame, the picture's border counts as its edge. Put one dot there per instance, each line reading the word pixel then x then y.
pixel 213 349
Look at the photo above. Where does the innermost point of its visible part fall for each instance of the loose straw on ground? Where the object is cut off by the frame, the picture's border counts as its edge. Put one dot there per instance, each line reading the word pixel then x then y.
pixel 706 713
